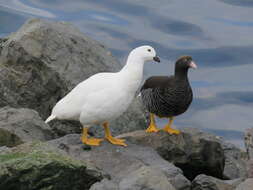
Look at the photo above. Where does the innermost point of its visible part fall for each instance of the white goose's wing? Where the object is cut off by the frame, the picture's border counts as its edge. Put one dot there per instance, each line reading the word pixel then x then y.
pixel 69 107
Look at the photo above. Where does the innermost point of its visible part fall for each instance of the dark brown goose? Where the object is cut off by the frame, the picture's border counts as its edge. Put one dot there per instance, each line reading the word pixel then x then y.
pixel 168 96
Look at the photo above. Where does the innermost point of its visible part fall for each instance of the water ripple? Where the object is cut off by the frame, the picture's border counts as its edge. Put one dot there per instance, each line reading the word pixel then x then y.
pixel 17 5
pixel 245 3
pixel 92 15
pixel 232 22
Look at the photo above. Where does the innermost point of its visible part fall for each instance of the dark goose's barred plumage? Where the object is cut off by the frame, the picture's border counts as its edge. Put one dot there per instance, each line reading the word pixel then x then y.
pixel 169 96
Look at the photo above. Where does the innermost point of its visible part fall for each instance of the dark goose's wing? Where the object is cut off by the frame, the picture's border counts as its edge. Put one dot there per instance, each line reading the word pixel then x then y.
pixel 158 82
pixel 154 96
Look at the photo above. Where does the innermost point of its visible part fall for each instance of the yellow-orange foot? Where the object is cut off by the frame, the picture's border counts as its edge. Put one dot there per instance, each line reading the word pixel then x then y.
pixel 152 129
pixel 91 141
pixel 116 141
pixel 170 130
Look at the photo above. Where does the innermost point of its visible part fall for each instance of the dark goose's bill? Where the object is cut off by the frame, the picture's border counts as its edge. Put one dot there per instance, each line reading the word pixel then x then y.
pixel 182 65
pixel 185 62
pixel 193 65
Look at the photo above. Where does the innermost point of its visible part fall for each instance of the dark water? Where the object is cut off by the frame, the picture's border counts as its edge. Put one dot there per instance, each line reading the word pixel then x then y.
pixel 217 33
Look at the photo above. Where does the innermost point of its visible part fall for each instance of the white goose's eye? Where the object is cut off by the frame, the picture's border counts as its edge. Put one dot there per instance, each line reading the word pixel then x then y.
pixel 149 50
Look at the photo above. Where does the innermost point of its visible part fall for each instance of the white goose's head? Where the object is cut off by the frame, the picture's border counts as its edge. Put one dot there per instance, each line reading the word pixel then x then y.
pixel 144 53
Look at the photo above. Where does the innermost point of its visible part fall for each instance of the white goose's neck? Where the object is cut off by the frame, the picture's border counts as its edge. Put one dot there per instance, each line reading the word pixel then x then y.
pixel 132 73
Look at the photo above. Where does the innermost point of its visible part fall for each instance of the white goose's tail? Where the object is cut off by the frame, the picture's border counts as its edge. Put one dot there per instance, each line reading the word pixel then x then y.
pixel 50 118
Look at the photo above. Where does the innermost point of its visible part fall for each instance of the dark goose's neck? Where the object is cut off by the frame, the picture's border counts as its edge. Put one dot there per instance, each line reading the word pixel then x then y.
pixel 181 74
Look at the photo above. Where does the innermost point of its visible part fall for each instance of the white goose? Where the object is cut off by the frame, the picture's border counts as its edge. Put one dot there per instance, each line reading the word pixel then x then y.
pixel 104 96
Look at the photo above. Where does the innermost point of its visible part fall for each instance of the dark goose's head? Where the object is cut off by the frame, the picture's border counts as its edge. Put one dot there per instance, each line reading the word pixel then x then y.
pixel 182 66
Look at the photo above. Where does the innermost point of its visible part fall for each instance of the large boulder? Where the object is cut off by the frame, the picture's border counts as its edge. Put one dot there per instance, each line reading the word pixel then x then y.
pixel 135 167
pixel 26 81
pixel 204 182
pixel 42 167
pixel 193 151
pixel 62 47
pixel 22 125
pixel 44 60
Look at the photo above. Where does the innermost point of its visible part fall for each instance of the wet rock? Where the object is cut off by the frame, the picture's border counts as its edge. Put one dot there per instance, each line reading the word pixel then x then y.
pixel 246 185
pixel 129 168
pixel 248 140
pixel 44 60
pixel 193 151
pixel 235 162
pixel 40 166
pixel 204 182
pixel 22 125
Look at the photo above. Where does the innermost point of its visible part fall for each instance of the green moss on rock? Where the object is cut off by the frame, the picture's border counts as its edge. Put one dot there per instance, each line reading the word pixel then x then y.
pixel 39 166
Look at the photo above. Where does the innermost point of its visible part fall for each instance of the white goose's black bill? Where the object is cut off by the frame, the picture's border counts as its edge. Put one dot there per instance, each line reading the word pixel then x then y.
pixel 156 59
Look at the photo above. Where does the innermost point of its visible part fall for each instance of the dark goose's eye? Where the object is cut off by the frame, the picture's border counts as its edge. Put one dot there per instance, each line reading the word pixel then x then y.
pixel 149 50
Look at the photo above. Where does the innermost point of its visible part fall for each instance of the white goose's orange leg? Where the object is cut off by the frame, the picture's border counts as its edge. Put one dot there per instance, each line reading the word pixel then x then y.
pixel 89 141
pixel 110 138
pixel 168 128
pixel 152 126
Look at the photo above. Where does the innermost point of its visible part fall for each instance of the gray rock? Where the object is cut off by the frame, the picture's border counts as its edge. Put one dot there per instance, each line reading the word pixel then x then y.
pixel 22 125
pixel 204 182
pixel 105 184
pixel 246 185
pixel 193 151
pixel 125 165
pixel 248 140
pixel 64 49
pixel 234 182
pixel 44 60
pixel 3 149
pixel 180 182
pixel 235 162
pixel 42 167
pixel 191 147
pixel 63 127
pixel 26 81
pixel 145 178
